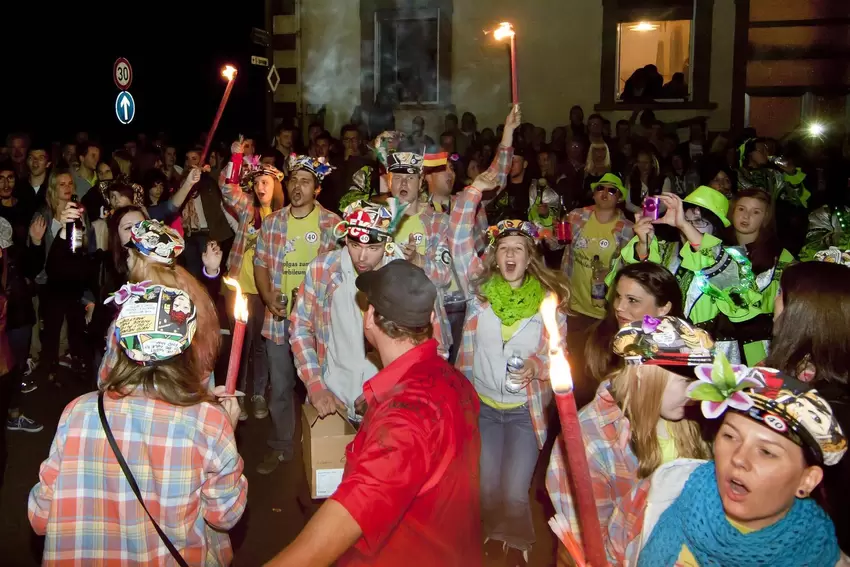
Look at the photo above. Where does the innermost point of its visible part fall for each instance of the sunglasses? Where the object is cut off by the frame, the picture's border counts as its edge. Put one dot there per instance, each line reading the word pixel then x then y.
pixel 613 191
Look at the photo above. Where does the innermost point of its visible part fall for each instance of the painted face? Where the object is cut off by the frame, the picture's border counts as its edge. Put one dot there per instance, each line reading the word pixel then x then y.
pixel 748 215
pixel 675 398
pixel 366 257
pixel 694 216
pixel 128 221
pixel 301 188
pixel 512 258
pixel 632 302
pixel 405 186
pixel 758 471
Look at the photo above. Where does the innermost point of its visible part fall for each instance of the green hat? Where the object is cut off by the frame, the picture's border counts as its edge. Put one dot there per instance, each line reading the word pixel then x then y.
pixel 712 200
pixel 610 180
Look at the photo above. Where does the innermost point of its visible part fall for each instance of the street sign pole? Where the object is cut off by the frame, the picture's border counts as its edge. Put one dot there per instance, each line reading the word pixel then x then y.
pixel 269 94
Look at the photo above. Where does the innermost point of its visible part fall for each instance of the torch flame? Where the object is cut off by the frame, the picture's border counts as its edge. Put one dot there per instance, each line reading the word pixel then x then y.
pixel 504 30
pixel 228 72
pixel 240 305
pixel 559 368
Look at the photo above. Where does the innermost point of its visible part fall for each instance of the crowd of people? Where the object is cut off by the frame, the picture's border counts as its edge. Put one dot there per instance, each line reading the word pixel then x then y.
pixel 400 279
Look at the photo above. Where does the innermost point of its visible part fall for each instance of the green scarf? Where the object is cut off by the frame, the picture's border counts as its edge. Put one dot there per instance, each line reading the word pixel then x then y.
pixel 509 304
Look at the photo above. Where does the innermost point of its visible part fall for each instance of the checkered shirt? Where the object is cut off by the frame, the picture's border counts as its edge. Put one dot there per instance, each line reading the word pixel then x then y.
pixel 310 321
pixel 271 251
pixel 242 204
pixel 187 467
pixel 539 391
pixel 613 466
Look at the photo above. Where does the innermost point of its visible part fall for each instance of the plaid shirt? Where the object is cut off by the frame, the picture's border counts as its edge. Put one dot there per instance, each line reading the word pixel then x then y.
pixel 623 232
pixel 465 220
pixel 539 391
pixel 310 321
pixel 187 467
pixel 242 204
pixel 271 251
pixel 438 271
pixel 606 434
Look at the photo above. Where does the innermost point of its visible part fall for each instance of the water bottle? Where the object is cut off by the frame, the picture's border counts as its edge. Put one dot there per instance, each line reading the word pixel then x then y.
pixel 281 297
pixel 515 366
pixel 597 283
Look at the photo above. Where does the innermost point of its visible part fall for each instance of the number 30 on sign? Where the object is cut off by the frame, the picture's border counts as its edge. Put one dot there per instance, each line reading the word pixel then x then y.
pixel 122 73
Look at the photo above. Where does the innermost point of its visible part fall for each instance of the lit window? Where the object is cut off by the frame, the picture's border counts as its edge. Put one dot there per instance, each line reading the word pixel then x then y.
pixel 653 61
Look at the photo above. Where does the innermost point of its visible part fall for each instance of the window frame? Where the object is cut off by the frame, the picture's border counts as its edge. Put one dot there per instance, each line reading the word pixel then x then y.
pixel 701 15
pixel 372 13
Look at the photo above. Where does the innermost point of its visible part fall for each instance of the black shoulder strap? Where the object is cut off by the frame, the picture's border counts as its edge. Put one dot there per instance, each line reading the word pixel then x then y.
pixel 132 481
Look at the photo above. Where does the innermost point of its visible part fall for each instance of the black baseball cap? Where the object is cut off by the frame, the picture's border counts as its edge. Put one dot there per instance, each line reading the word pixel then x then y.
pixel 400 292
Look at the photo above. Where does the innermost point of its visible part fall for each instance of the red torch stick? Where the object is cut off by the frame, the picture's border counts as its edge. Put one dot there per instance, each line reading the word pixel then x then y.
pixel 562 384
pixel 240 314
pixel 229 72
pixel 504 30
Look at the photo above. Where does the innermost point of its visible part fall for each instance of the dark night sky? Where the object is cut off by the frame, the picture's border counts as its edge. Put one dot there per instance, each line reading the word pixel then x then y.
pixel 176 48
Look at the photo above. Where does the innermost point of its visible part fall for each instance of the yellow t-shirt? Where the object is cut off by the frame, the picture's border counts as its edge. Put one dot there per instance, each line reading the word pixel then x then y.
pixel 412 225
pixel 246 270
pixel 668 445
pixel 508 331
pixel 687 559
pixel 595 239
pixel 302 247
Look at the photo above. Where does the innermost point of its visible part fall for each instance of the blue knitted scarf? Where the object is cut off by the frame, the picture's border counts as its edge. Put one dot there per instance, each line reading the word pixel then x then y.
pixel 805 536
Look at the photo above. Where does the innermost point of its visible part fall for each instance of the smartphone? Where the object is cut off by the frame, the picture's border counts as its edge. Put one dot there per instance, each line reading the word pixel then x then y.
pixel 650 207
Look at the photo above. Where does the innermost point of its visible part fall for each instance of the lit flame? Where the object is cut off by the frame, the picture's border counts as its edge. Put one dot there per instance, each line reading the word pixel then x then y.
pixel 559 368
pixel 228 72
pixel 644 27
pixel 504 30
pixel 240 305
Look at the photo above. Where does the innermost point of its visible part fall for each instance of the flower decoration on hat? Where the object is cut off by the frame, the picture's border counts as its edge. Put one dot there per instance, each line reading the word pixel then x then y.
pixel 318 166
pixel 253 169
pixel 834 255
pixel 665 341
pixel 720 386
pixel 513 227
pixel 155 322
pixel 156 241
pixel 371 223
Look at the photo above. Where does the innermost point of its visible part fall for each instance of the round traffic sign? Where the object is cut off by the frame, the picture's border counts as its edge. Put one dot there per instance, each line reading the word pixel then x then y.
pixel 122 73
pixel 125 107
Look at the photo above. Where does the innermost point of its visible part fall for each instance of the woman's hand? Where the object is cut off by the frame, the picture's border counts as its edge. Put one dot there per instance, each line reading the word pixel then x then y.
pixel 229 404
pixel 675 215
pixel 37 229
pixel 70 213
pixel 645 232
pixel 212 258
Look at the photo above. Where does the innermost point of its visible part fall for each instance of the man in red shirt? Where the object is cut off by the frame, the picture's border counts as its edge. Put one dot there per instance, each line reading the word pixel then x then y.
pixel 410 493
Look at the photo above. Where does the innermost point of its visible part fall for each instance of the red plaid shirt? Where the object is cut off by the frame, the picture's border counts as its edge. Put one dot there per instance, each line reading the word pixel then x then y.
pixel 271 252
pixel 242 204
pixel 606 433
pixel 187 467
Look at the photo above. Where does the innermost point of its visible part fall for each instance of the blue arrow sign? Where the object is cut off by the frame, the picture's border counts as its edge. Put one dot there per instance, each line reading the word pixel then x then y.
pixel 125 107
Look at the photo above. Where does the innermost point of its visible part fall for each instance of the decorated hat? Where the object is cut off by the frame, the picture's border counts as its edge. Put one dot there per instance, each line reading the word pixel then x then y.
pixel 513 228
pixel 834 255
pixel 371 223
pixel 712 200
pixel 155 322
pixel 156 241
pixel 405 162
pixel 254 169
pixel 781 403
pixel 667 341
pixel 318 166
pixel 610 180
pixel 5 233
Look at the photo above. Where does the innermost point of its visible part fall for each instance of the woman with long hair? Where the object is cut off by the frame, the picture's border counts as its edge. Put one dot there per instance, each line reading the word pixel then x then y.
pixel 645 179
pixel 257 195
pixel 505 356
pixel 637 421
pixel 154 416
pixel 758 501
pixel 810 338
pixel 640 290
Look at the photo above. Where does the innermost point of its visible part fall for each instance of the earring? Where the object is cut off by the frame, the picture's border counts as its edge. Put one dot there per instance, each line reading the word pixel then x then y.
pixel 802 493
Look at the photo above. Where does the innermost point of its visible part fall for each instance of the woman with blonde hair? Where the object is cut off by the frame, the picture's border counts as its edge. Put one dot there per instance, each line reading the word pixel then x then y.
pixel 598 164
pixel 637 421
pixel 172 442
pixel 505 356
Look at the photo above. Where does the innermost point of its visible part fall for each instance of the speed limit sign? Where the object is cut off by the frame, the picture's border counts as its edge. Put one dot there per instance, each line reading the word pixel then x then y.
pixel 122 73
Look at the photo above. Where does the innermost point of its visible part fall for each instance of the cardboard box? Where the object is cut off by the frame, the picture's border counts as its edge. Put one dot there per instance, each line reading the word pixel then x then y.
pixel 323 443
